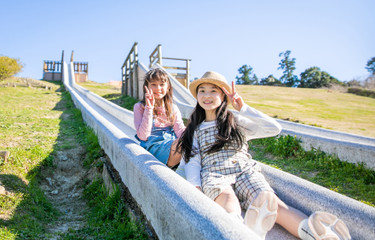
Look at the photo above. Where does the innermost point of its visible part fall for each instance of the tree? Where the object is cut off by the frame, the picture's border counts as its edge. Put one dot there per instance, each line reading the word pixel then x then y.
pixel 353 83
pixel 247 76
pixel 271 81
pixel 9 67
pixel 313 77
pixel 288 66
pixel 370 82
pixel 371 66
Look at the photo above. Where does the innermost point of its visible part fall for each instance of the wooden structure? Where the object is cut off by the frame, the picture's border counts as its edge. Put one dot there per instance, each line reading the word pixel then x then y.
pixel 181 73
pixel 52 70
pixel 133 72
pixel 130 83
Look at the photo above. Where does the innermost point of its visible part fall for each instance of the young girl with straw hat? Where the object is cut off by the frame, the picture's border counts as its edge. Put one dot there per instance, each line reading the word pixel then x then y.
pixel 215 154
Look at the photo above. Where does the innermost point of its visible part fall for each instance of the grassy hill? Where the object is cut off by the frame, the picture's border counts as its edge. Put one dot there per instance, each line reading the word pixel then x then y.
pixel 319 107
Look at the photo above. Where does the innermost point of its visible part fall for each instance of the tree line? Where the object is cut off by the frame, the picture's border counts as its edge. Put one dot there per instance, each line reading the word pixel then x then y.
pixel 312 77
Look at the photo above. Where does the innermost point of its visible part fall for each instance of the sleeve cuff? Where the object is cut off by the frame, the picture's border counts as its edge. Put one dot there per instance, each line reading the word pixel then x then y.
pixel 148 108
pixel 243 109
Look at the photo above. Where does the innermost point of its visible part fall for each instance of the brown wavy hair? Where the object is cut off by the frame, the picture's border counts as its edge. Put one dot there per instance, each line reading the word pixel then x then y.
pixel 158 74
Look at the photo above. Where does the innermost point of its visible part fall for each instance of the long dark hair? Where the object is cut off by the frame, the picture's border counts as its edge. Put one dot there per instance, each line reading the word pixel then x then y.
pixel 226 125
pixel 158 74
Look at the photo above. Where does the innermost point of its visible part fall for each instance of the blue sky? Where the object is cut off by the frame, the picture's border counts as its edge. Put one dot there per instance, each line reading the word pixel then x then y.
pixel 337 36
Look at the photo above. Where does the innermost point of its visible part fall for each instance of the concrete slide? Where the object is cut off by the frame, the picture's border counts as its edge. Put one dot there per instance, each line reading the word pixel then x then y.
pixel 174 208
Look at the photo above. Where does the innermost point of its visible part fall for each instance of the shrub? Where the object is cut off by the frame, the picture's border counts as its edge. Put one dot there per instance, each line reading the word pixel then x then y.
pixel 9 67
pixel 362 92
pixel 285 146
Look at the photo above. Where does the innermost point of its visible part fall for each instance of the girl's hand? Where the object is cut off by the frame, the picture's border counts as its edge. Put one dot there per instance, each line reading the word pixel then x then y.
pixel 235 99
pixel 149 97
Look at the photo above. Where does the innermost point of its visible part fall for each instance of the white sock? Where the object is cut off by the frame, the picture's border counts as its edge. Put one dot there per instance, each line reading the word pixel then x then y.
pixel 304 230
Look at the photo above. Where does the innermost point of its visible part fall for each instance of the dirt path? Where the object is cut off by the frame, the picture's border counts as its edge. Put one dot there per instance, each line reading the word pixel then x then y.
pixel 64 187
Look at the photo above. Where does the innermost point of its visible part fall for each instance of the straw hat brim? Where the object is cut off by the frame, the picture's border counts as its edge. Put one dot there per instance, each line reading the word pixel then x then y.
pixel 194 85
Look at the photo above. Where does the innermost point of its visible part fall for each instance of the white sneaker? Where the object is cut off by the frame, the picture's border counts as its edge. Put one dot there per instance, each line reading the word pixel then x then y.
pixel 261 214
pixel 327 226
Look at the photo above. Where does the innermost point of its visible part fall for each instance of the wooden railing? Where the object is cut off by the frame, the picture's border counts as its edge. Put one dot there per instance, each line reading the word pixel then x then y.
pixel 52 70
pixel 129 73
pixel 80 67
pixel 181 73
pixel 52 66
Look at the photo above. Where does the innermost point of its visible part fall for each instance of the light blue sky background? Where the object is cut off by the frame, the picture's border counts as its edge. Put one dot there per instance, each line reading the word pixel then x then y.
pixel 336 35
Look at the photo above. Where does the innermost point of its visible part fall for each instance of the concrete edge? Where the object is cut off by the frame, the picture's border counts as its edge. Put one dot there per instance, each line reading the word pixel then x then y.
pixel 344 150
pixel 349 137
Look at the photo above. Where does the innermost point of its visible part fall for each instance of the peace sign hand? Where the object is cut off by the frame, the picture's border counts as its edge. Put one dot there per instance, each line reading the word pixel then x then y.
pixel 235 99
pixel 149 97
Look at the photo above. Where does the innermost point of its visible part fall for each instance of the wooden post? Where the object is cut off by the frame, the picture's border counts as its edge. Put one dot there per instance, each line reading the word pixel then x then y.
pixel 53 70
pixel 159 55
pixel 62 65
pixel 187 72
pixel 123 81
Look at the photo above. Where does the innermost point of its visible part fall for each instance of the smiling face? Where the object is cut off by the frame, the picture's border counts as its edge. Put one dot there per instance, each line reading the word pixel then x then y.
pixel 159 88
pixel 209 97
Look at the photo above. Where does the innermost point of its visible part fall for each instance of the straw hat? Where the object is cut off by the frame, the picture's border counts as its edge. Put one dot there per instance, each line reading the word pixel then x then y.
pixel 209 77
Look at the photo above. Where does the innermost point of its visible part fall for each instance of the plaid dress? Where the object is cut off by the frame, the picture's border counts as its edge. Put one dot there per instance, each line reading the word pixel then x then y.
pixel 229 167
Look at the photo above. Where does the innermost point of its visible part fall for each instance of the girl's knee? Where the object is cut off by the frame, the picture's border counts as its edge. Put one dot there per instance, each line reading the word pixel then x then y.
pixel 229 201
pixel 227 195
pixel 269 198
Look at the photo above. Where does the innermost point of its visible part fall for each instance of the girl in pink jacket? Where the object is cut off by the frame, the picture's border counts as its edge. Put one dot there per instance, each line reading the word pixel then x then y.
pixel 157 119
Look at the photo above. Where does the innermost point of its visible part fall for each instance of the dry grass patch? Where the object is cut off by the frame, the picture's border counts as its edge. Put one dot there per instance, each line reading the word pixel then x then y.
pixel 319 107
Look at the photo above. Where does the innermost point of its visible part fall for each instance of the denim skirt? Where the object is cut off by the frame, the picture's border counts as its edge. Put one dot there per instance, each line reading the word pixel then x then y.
pixel 159 143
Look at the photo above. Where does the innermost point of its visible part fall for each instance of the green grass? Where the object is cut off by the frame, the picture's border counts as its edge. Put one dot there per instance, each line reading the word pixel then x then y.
pixel 101 88
pixel 109 218
pixel 29 127
pixel 110 93
pixel 35 122
pixel 352 180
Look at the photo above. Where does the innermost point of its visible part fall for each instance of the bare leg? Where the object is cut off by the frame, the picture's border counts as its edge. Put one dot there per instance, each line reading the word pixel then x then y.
pixel 321 224
pixel 289 218
pixel 229 201
pixel 174 156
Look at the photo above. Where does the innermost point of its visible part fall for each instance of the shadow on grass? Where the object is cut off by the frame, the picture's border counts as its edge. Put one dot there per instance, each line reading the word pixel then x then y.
pixel 35 213
pixel 32 209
